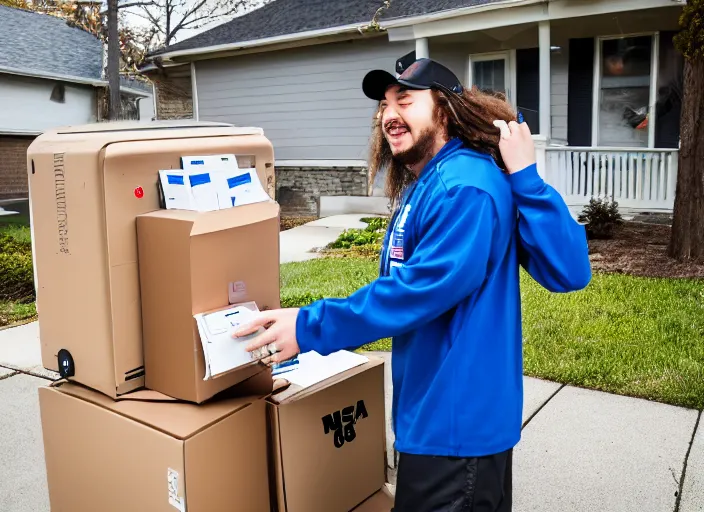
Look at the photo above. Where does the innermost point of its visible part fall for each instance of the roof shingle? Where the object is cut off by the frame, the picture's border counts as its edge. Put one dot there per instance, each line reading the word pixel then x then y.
pixel 283 17
pixel 41 43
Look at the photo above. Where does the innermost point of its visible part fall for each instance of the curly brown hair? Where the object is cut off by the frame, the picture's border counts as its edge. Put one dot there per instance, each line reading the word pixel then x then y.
pixel 468 116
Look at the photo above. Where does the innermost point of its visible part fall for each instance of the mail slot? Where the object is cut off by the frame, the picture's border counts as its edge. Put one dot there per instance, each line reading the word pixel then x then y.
pixel 87 186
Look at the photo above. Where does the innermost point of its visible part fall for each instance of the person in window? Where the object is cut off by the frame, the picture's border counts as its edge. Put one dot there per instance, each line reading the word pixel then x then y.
pixel 471 208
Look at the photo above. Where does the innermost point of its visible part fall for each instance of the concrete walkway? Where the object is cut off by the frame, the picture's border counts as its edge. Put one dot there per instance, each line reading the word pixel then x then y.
pixel 303 242
pixel 580 450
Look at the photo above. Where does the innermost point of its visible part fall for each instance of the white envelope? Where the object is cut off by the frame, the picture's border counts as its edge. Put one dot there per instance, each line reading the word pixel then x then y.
pixel 209 162
pixel 240 187
pixel 221 351
pixel 204 191
pixel 314 368
pixel 177 190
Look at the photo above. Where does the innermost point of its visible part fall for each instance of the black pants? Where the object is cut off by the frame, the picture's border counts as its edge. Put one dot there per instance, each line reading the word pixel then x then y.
pixel 449 484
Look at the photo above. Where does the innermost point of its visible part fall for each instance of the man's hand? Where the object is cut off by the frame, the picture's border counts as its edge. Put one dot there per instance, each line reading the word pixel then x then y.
pixel 516 145
pixel 280 337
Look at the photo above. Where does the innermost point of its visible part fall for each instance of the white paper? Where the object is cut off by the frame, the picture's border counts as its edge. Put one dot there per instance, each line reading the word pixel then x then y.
pixel 240 187
pixel 314 368
pixel 174 499
pixel 209 162
pixel 221 351
pixel 177 190
pixel 204 190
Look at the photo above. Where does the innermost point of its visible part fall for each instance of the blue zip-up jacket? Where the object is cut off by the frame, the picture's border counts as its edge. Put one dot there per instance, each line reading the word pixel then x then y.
pixel 448 294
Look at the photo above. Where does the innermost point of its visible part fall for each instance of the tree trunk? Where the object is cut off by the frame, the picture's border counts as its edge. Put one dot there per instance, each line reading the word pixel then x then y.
pixel 113 70
pixel 687 239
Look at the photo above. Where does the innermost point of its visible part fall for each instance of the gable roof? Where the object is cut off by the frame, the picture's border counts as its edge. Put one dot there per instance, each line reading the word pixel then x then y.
pixel 41 44
pixel 286 17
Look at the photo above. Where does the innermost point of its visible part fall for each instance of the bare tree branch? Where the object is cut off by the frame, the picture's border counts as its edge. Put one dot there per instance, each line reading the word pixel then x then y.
pixel 189 13
pixel 189 23
pixel 170 17
pixel 136 4
pixel 148 17
pixel 154 20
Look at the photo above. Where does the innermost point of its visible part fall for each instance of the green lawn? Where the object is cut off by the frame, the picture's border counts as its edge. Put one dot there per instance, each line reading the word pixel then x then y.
pixel 627 335
pixel 14 312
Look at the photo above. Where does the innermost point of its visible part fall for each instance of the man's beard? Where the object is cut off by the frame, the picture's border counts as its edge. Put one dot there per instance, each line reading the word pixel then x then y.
pixel 419 151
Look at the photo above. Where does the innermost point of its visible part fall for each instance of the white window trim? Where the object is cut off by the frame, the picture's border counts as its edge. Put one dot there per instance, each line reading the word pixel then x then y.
pixel 654 65
pixel 194 92
pixel 510 70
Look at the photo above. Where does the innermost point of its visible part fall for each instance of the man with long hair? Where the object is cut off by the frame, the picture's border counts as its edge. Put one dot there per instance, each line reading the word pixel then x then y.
pixel 470 209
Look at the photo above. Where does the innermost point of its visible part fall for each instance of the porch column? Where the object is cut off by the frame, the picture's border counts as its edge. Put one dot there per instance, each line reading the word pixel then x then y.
pixel 545 78
pixel 422 51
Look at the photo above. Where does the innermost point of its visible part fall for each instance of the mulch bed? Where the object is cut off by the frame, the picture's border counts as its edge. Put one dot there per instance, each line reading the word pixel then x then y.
pixel 640 249
pixel 292 222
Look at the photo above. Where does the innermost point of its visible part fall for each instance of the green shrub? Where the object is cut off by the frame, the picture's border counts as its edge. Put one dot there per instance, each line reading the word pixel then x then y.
pixel 602 217
pixel 17 281
pixel 376 223
pixel 370 251
pixel 14 241
pixel 352 237
pixel 16 271
pixel 372 235
pixel 20 234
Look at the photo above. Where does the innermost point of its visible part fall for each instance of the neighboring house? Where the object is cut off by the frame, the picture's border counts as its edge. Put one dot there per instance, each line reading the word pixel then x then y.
pixel 584 74
pixel 50 75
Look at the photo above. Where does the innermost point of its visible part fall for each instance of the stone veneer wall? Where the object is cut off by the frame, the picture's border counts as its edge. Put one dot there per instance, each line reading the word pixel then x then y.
pixel 174 97
pixel 298 190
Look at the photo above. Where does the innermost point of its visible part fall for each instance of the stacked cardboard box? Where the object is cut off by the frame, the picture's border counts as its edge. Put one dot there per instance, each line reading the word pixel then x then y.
pixel 137 423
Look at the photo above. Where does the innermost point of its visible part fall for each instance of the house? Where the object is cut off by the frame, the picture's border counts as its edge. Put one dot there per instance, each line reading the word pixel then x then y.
pixel 598 81
pixel 50 75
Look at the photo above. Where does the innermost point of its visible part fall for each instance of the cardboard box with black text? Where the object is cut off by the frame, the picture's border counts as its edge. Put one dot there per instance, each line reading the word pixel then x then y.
pixel 328 441
pixel 196 262
pixel 87 184
pixel 145 452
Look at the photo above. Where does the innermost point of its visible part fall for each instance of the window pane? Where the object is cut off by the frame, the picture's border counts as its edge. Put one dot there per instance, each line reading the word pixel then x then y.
pixel 625 92
pixel 489 75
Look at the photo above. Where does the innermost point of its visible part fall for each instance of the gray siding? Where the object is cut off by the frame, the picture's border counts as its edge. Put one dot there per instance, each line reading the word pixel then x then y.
pixel 25 104
pixel 308 100
pixel 456 60
pixel 559 67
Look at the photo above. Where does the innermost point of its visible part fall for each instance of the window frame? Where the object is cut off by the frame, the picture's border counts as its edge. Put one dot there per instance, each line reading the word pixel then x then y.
pixel 509 58
pixel 654 68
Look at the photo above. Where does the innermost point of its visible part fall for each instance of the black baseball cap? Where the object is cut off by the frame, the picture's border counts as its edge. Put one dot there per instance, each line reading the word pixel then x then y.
pixel 421 74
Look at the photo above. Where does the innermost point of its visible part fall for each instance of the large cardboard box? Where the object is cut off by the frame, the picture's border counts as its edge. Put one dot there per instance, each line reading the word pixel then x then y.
pixel 328 441
pixel 87 184
pixel 192 263
pixel 145 453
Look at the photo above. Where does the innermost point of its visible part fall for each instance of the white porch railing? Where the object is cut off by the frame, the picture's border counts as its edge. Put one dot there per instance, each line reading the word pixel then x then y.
pixel 634 177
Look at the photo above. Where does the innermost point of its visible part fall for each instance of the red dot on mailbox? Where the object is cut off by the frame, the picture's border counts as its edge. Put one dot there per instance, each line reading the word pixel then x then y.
pixel 139 192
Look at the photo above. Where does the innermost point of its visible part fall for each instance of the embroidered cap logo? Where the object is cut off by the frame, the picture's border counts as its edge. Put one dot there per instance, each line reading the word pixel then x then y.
pixel 410 70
